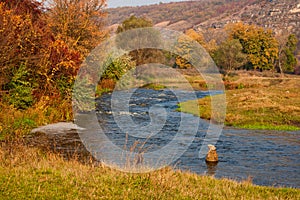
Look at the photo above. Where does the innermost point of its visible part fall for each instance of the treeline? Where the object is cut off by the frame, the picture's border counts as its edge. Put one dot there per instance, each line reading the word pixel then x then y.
pixel 240 46
pixel 250 47
pixel 41 48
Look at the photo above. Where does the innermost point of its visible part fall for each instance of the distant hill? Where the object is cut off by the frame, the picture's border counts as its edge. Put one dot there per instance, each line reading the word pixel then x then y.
pixel 274 14
pixel 187 12
pixel 203 15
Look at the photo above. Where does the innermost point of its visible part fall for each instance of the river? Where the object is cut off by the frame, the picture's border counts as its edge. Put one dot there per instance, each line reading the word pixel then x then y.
pixel 270 158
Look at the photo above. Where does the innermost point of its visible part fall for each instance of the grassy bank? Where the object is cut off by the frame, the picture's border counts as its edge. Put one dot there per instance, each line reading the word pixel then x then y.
pixel 257 102
pixel 27 173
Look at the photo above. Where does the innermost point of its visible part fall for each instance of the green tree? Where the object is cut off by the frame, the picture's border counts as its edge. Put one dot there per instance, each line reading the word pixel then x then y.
pixel 290 60
pixel 259 44
pixel 20 89
pixel 134 22
pixel 286 54
pixel 229 55
pixel 117 68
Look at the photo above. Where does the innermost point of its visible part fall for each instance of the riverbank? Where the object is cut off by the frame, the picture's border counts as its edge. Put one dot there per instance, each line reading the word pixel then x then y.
pixel 256 101
pixel 29 173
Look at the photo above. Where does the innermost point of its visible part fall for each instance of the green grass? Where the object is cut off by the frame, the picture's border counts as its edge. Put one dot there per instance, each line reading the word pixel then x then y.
pixel 268 108
pixel 191 107
pixel 154 86
pixel 268 127
pixel 27 173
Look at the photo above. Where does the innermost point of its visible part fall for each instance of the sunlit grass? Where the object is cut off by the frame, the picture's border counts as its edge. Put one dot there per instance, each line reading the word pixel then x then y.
pixel 154 86
pixel 269 127
pixel 27 173
pixel 276 107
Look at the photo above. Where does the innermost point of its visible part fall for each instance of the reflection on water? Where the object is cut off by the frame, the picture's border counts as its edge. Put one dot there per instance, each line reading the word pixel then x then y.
pixel 270 157
pixel 211 168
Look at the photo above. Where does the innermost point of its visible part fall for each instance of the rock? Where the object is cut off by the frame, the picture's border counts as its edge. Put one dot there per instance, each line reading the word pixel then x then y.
pixel 212 155
pixel 60 138
pixel 57 128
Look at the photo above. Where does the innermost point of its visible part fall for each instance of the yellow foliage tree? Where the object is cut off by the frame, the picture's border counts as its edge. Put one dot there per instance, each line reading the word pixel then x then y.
pixel 20 41
pixel 258 43
pixel 195 36
pixel 79 23
pixel 184 47
pixel 77 27
pixel 209 45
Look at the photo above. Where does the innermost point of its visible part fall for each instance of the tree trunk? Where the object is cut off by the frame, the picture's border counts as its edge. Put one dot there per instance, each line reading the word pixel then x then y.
pixel 279 66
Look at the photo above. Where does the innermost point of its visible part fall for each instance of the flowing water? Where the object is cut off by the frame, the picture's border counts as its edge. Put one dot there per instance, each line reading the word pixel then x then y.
pixel 266 157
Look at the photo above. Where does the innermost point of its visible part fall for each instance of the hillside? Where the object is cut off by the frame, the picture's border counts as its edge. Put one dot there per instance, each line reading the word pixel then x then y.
pixel 277 15
pixel 216 13
pixel 209 16
pixel 179 15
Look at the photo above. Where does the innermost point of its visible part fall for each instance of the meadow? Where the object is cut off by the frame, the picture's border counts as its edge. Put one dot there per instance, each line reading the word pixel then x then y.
pixel 255 101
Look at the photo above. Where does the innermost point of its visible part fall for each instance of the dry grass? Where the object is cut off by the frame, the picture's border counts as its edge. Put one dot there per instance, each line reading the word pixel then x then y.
pixel 266 103
pixel 16 123
pixel 27 173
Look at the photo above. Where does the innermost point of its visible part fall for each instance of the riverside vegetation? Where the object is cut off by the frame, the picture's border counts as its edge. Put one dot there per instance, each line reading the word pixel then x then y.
pixel 41 52
pixel 255 102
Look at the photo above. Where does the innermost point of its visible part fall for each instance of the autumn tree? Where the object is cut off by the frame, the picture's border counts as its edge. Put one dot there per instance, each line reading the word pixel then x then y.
pixel 79 23
pixel 143 32
pixel 24 38
pixel 229 55
pixel 209 44
pixel 198 37
pixel 42 49
pixel 259 44
pixel 184 47
pixel 77 27
pixel 21 36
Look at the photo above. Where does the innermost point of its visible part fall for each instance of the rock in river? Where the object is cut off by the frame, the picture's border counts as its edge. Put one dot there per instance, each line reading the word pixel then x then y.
pixel 212 155
pixel 60 138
